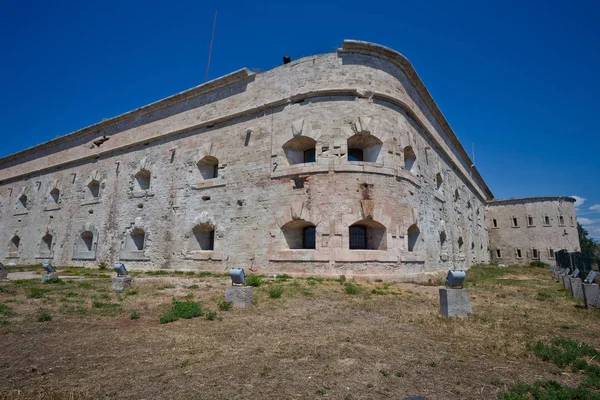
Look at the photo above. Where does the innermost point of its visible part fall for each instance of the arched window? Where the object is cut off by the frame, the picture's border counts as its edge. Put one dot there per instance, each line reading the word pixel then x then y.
pixel 363 147
pixel 13 246
pixel 442 239
pixel 136 240
pixel 55 195
pixel 438 182
pixel 87 240
pixel 413 237
pixel 299 234
pixel 22 201
pixel 46 246
pixel 300 150
pixel 142 179
pixel 93 189
pixel 202 239
pixel 410 159
pixel 367 235
pixel 208 167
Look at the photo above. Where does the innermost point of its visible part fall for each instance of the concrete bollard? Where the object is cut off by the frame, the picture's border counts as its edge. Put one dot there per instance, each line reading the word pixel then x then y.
pixel 455 302
pixel 576 291
pixel 591 295
pixel 241 296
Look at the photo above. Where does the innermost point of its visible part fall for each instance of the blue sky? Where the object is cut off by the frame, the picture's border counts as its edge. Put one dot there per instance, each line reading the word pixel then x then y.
pixel 519 80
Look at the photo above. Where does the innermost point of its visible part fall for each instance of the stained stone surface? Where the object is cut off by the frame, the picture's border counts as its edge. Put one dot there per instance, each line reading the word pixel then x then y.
pixel 120 283
pixel 576 288
pixel 455 302
pixel 591 295
pixel 3 274
pixel 241 296
pixel 46 277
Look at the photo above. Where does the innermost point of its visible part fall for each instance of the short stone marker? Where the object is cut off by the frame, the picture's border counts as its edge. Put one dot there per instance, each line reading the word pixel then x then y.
pixel 567 283
pixel 454 300
pixel 237 293
pixel 591 295
pixel 50 273
pixel 240 296
pixel 122 281
pixel 576 287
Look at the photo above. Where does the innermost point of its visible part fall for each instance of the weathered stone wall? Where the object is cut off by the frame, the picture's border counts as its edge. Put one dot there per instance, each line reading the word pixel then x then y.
pixel 544 225
pixel 142 188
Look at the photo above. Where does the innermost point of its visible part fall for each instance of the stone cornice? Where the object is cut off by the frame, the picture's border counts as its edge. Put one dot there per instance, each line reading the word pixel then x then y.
pixel 530 200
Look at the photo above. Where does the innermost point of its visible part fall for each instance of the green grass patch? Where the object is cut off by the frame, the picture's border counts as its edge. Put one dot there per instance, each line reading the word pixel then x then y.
pixel 352 288
pixel 182 309
pixel 134 315
pixel 211 315
pixel 283 277
pixel 548 390
pixel 54 281
pixel 44 316
pixel 254 280
pixel 85 285
pixel 225 305
pixel 37 293
pixel 275 292
pixel 6 311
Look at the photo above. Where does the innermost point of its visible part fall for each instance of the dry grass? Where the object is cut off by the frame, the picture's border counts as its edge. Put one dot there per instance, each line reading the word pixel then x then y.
pixel 316 340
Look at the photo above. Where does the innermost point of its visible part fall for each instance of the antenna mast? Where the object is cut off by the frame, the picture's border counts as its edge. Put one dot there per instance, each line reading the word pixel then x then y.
pixel 211 44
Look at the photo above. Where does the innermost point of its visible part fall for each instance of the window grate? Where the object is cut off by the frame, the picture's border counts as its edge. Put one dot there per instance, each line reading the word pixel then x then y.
pixel 309 237
pixel 358 237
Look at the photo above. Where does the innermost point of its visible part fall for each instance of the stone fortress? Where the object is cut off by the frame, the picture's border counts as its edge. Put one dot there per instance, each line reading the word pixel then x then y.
pixel 332 164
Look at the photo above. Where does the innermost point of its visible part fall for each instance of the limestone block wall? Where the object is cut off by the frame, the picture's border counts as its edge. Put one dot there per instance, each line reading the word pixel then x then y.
pixel 531 229
pixel 218 177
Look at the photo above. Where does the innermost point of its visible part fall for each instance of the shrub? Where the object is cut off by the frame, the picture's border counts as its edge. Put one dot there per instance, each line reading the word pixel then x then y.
pixel 544 296
pixel 254 280
pixel 538 264
pixel 384 372
pixel 103 265
pixel 225 305
pixel 283 277
pixel 54 281
pixel 168 316
pixel 134 315
pixel 275 292
pixel 211 315
pixel 182 309
pixel 352 288
pixel 6 310
pixel 71 294
pixel 36 293
pixel 44 316
pixel 132 292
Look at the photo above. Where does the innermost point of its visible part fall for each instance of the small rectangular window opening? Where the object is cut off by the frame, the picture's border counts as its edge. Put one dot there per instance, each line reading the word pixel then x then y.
pixel 536 253
pixel 551 253
pixel 495 222
pixel 309 156
pixel 562 220
pixel 515 222
pixel 530 221
pixel 519 254
pixel 498 253
pixel 309 237
pixel 546 220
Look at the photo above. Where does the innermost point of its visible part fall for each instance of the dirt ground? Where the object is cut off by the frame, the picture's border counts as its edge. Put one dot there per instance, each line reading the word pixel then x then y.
pixel 315 341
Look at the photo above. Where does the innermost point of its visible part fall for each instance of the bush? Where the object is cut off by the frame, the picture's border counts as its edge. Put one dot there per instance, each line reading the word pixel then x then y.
pixel 36 293
pixel 55 281
pixel 134 315
pixel 275 292
pixel 182 309
pixel 132 292
pixel 225 305
pixel 254 280
pixel 283 277
pixel 44 316
pixel 103 265
pixel 211 315
pixel 352 288
pixel 538 264
pixel 6 310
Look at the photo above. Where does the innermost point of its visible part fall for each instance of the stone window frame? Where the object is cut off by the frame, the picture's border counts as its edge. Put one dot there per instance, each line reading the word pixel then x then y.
pixel 42 254
pixel 297 228
pixel 518 253
pixel 498 252
pixel 11 254
pixel 514 222
pixel 551 253
pixel 530 221
pixel 547 220
pixel 295 150
pixel 369 227
pixel 79 254
pixel 495 223
pixel 413 234
pixel 22 206
pixel 572 220
pixel 128 254
pixel 535 254
pixel 561 220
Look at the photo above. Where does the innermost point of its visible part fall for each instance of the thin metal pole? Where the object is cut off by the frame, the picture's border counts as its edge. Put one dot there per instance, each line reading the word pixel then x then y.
pixel 211 45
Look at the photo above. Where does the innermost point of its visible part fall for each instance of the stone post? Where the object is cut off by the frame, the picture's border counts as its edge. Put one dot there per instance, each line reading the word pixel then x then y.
pixel 591 295
pixel 576 287
pixel 241 296
pixel 455 302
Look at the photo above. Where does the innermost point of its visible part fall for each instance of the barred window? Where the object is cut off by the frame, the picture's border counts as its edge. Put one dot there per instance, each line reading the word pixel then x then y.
pixel 358 237
pixel 309 237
